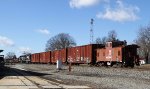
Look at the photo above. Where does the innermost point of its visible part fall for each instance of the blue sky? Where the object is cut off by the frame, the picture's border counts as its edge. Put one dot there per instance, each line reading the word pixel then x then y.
pixel 26 25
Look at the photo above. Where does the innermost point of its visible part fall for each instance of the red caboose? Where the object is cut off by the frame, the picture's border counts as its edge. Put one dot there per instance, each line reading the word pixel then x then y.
pixel 117 53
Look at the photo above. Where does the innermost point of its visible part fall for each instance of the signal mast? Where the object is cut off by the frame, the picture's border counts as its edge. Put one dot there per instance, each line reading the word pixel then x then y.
pixel 91 31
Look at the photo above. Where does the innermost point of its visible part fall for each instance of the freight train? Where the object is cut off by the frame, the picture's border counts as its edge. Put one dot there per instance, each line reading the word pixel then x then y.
pixel 26 58
pixel 112 53
pixel 2 63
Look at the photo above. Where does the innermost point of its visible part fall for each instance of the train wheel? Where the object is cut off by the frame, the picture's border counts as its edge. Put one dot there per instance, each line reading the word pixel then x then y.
pixel 112 64
pixel 132 65
pixel 97 64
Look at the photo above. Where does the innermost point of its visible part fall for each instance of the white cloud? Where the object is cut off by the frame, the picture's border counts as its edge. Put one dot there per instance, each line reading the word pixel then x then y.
pixel 120 13
pixel 83 3
pixel 4 41
pixel 25 49
pixel 44 31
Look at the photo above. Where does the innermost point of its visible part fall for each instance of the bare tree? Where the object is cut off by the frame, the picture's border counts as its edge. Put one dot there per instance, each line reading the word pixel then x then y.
pixel 60 41
pixel 112 35
pixel 10 55
pixel 143 40
pixel 101 40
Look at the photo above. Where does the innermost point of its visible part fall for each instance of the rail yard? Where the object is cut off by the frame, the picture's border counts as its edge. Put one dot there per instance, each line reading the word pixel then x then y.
pixel 80 77
pixel 109 54
pixel 74 44
pixel 16 77
pixel 114 65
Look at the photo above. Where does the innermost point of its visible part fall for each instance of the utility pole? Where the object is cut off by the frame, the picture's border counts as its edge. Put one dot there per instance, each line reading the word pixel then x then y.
pixel 91 31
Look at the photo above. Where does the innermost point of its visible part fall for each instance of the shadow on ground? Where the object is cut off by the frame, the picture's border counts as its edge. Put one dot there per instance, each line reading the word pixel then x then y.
pixel 7 71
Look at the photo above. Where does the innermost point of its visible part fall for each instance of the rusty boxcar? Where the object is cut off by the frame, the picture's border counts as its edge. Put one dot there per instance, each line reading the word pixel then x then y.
pixel 32 58
pixel 83 54
pixel 63 55
pixel 48 57
pixel 42 57
pixel 45 57
pixel 59 55
pixel 53 53
pixel 35 58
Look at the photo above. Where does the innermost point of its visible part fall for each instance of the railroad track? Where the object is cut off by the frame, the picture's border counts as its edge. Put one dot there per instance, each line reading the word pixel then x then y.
pixel 18 78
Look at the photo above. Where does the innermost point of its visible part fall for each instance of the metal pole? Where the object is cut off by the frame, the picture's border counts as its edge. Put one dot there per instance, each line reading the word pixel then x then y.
pixel 70 67
pixel 91 31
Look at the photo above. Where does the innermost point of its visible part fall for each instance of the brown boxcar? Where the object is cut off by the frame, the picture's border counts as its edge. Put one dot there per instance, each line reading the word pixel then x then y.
pixel 35 58
pixel 48 57
pixel 59 55
pixel 45 57
pixel 71 54
pixel 53 56
pixel 83 54
pixel 56 56
pixel 42 57
pixel 63 55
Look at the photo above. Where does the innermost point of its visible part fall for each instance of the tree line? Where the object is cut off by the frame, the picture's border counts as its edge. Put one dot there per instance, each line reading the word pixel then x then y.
pixel 143 40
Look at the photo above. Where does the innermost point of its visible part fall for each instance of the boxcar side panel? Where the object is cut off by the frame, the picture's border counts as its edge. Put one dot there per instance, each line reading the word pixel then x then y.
pixel 63 55
pixel 37 57
pixel 48 57
pixel 53 57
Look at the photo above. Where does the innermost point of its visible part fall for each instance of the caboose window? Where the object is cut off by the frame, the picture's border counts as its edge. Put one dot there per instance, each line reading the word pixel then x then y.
pixel 118 53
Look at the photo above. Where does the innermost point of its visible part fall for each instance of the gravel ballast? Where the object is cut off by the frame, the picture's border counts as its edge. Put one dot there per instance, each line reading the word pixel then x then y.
pixel 96 77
